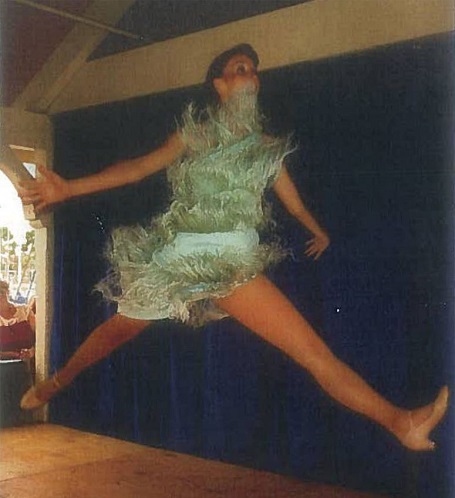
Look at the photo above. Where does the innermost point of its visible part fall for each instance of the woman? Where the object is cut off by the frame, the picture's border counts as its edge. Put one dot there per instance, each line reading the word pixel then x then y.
pixel 219 166
pixel 17 328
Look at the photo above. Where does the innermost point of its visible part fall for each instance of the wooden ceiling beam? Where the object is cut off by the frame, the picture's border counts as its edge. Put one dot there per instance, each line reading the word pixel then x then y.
pixel 309 31
pixel 78 18
pixel 69 57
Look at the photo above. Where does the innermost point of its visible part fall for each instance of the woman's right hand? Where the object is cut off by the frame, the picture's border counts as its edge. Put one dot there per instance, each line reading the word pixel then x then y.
pixel 46 190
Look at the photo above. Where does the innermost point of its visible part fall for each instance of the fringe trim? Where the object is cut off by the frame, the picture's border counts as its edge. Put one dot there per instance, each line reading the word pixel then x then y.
pixel 217 187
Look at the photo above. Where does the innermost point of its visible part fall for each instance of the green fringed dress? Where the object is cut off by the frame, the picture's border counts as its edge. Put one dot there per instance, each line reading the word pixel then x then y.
pixel 207 243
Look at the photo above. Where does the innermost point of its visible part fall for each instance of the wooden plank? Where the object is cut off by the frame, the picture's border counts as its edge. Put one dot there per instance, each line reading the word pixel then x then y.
pixel 57 447
pixel 65 463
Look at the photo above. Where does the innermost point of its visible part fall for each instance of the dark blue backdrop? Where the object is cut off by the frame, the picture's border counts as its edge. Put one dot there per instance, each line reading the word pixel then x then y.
pixel 375 165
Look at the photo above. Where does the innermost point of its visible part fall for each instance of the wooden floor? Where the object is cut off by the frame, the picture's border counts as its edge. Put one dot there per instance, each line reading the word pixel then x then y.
pixel 44 461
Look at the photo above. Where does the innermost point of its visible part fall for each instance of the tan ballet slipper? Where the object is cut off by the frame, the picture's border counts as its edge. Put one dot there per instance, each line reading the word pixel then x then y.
pixel 417 437
pixel 32 400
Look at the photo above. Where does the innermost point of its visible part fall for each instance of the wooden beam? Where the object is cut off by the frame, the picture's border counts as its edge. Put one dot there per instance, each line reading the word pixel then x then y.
pixel 69 57
pixel 309 31
pixel 77 18
pixel 24 154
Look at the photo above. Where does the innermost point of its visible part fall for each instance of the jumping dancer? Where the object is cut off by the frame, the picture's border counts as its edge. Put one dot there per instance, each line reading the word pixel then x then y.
pixel 202 259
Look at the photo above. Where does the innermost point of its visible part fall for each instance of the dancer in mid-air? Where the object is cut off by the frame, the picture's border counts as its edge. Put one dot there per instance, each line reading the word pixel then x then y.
pixel 202 259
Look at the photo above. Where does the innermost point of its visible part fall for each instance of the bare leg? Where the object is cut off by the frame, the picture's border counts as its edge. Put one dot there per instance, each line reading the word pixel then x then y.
pixel 98 345
pixel 278 322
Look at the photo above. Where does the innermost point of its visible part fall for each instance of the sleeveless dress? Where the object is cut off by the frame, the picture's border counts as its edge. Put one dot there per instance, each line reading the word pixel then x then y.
pixel 206 244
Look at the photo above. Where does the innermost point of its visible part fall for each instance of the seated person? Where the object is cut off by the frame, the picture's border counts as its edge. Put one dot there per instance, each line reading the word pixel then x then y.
pixel 17 328
pixel 17 352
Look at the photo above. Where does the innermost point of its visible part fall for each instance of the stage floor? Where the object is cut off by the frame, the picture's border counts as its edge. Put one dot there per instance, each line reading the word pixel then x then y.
pixel 44 460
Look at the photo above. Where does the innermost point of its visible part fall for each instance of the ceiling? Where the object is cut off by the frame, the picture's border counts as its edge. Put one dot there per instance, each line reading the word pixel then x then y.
pixel 158 20
pixel 30 36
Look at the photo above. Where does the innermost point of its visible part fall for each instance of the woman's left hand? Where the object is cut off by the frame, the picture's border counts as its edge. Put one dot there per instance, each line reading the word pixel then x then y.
pixel 317 245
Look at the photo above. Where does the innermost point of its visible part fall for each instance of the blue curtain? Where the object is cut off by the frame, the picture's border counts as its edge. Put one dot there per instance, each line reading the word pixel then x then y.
pixel 374 163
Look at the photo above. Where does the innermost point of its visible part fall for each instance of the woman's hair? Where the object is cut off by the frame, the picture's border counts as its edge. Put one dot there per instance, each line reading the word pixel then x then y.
pixel 218 64
pixel 4 287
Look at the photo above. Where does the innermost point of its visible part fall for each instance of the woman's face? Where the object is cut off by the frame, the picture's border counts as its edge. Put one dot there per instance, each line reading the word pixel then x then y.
pixel 238 74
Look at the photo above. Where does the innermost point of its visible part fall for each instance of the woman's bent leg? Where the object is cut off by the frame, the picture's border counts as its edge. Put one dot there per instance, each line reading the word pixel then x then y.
pixel 263 308
pixel 99 344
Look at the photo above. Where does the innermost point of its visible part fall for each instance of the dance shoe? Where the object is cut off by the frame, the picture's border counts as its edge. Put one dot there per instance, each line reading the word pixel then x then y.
pixel 417 437
pixel 32 399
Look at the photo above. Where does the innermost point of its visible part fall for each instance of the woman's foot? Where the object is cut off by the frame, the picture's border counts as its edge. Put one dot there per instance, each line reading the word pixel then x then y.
pixel 41 393
pixel 416 425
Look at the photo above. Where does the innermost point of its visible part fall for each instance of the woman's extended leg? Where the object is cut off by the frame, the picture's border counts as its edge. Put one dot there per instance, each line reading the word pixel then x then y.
pixel 278 322
pixel 98 345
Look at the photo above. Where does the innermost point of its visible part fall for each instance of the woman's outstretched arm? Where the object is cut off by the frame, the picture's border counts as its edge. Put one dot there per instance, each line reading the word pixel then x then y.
pixel 286 191
pixel 51 188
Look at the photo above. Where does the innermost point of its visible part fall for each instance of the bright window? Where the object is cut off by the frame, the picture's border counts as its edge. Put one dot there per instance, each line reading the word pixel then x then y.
pixel 17 243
